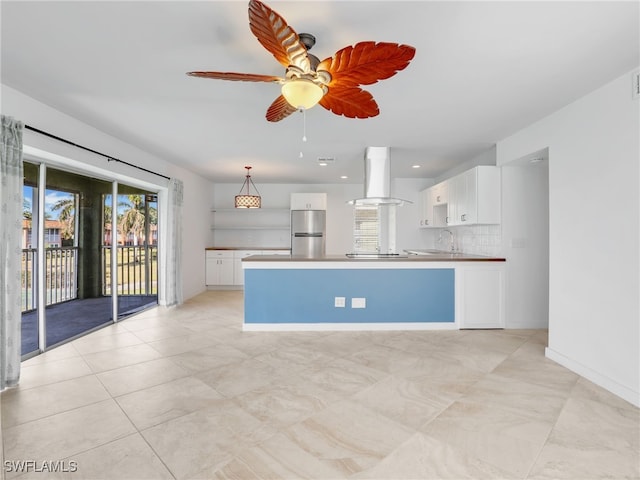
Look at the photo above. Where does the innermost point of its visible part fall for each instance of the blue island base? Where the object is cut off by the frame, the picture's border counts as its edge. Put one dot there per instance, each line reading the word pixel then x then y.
pixel 305 299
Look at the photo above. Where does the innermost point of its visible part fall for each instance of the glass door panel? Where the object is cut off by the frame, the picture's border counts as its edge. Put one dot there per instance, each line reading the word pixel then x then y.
pixel 29 275
pixel 137 247
pixel 75 303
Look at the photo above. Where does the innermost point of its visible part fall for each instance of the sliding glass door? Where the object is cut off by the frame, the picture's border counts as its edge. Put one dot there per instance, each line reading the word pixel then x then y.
pixel 67 261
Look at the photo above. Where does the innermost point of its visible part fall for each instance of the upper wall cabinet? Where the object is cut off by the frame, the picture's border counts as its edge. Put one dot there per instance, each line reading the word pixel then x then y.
pixel 426 208
pixel 308 201
pixel 474 197
pixel 439 193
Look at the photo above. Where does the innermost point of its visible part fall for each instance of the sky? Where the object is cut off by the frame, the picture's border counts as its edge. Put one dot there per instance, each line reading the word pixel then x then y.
pixel 50 199
pixel 54 196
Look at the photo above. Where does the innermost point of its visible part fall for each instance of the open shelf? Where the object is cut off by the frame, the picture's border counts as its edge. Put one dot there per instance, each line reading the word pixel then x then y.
pixel 276 219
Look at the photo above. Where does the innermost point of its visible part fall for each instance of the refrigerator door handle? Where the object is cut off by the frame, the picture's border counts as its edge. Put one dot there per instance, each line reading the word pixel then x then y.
pixel 308 235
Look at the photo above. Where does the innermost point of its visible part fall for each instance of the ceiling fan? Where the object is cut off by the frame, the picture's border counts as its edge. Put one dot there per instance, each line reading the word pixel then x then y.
pixel 334 82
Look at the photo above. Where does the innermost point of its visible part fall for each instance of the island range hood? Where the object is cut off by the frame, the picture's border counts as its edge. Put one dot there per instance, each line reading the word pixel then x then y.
pixel 377 179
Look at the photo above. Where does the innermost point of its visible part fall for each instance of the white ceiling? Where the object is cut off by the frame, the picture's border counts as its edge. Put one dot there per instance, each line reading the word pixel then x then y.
pixel 482 71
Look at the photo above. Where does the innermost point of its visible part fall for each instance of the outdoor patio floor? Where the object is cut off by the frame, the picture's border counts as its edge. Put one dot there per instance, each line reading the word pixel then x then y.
pixel 69 319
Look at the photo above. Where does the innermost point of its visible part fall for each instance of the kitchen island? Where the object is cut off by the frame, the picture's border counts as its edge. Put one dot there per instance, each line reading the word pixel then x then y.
pixel 435 290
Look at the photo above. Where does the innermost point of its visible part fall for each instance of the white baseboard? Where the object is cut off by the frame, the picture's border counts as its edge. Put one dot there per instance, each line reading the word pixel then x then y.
pixel 339 327
pixel 603 381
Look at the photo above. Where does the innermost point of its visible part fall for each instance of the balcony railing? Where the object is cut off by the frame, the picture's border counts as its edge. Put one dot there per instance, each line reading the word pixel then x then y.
pixel 60 282
pixel 137 269
pixel 137 273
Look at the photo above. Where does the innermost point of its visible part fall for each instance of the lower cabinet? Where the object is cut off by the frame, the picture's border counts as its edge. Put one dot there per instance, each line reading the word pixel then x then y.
pixel 219 267
pixel 224 267
pixel 481 296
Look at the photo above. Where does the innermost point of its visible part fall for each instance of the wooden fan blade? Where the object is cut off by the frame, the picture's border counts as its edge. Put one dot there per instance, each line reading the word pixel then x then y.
pixel 366 63
pixel 279 109
pixel 352 102
pixel 277 37
pixel 242 77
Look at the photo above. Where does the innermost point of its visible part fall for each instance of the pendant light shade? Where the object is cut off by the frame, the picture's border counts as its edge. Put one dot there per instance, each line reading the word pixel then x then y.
pixel 302 93
pixel 245 199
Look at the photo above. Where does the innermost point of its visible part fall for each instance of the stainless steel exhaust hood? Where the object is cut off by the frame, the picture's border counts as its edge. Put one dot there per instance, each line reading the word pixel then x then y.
pixel 377 179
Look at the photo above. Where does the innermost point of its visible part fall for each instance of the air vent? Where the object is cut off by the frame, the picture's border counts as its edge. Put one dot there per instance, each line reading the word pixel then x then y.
pixel 635 76
pixel 324 161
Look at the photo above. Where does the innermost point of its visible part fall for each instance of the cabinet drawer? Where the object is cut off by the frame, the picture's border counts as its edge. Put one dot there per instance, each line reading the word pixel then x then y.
pixel 246 253
pixel 219 254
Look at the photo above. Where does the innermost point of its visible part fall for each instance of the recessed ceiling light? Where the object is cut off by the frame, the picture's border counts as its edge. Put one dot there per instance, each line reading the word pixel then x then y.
pixel 415 166
pixel 323 164
pixel 344 177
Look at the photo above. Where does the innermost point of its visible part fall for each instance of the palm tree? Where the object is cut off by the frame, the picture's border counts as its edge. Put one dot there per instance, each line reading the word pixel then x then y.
pixel 26 210
pixel 132 220
pixel 67 216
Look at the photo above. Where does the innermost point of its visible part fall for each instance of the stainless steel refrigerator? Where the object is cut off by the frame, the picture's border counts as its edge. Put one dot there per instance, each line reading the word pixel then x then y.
pixel 308 233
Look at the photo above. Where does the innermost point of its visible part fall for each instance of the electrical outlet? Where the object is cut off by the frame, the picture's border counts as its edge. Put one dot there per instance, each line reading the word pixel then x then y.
pixel 358 303
pixel 340 302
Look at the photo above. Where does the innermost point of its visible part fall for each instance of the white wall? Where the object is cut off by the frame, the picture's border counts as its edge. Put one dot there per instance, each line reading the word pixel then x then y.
pixel 488 157
pixel 339 239
pixel 197 191
pixel 339 213
pixel 594 240
pixel 525 243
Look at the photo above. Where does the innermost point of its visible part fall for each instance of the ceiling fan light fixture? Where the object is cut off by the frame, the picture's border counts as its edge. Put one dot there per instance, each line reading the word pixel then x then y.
pixel 302 93
pixel 245 199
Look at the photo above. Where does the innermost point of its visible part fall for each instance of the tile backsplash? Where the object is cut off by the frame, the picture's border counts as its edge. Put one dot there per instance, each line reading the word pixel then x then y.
pixel 475 239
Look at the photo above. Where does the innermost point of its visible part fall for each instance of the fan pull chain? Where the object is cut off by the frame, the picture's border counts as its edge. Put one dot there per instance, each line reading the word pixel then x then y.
pixel 304 124
pixel 304 128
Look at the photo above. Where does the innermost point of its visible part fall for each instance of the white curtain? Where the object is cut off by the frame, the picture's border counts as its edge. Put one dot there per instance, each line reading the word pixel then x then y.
pixel 173 271
pixel 10 250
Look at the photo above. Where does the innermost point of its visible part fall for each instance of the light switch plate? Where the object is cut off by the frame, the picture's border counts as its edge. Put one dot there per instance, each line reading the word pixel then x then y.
pixel 340 302
pixel 358 303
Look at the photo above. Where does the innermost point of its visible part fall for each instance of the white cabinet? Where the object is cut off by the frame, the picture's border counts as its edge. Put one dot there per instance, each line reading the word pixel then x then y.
pixel 480 295
pixel 439 193
pixel 434 205
pixel 308 201
pixel 426 208
pixel 219 267
pixel 238 255
pixel 224 267
pixel 474 197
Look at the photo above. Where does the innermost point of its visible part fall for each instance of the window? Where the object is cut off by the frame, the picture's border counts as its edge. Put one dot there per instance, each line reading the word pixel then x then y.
pixel 374 230
pixel 366 230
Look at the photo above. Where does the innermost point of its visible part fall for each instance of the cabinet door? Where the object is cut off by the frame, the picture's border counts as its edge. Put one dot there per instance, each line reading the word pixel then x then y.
pixel 439 193
pixel 212 274
pixel 308 201
pixel 219 267
pixel 481 291
pixel 226 271
pixel 426 210
pixel 467 214
pixel 455 202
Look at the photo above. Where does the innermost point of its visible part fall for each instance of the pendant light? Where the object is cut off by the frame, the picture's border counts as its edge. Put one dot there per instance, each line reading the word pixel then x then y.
pixel 245 199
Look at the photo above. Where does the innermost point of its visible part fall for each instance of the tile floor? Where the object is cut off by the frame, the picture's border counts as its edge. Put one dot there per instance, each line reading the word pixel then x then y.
pixel 184 393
